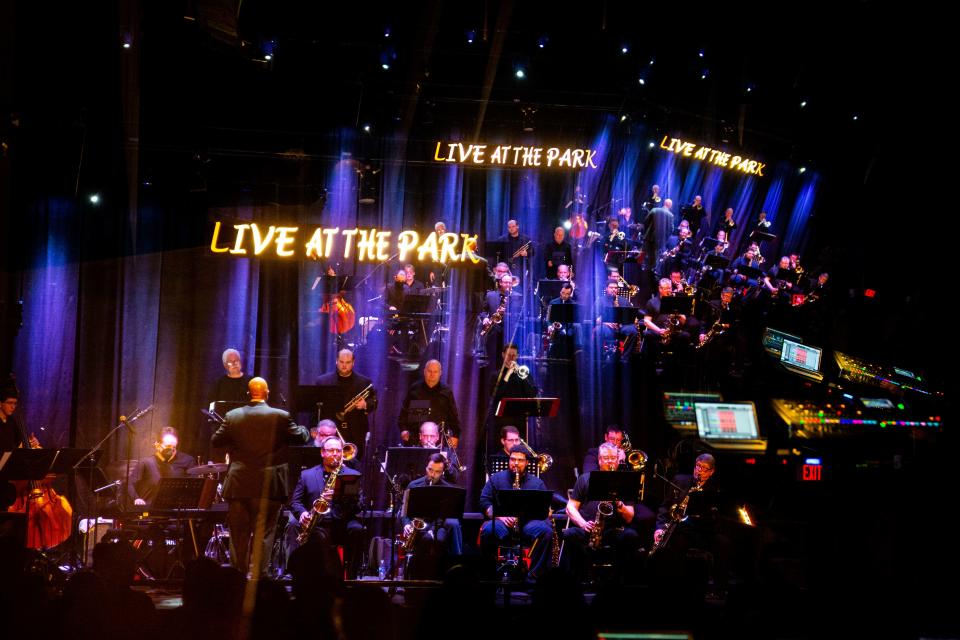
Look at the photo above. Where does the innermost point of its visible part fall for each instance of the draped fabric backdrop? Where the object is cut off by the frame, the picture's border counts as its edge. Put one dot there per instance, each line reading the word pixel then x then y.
pixel 126 310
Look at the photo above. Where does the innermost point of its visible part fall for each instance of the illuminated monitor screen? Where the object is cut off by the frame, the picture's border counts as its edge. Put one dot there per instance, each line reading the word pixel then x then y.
pixel 877 403
pixel 727 421
pixel 678 406
pixel 773 340
pixel 905 373
pixel 801 356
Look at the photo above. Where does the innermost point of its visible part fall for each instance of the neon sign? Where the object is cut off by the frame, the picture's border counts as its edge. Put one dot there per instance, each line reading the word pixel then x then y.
pixel 505 155
pixel 251 240
pixel 716 157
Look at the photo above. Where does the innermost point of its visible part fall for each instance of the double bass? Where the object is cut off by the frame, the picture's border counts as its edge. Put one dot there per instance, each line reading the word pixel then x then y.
pixel 48 513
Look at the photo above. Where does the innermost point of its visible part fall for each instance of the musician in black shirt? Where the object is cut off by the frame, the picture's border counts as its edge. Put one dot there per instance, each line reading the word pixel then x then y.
pixel 167 462
pixel 347 385
pixel 443 406
pixel 557 253
pixel 232 386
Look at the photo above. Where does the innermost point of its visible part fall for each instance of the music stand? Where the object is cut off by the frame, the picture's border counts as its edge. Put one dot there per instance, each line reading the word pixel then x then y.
pixel 416 304
pixel 682 305
pixel 179 493
pixel 26 464
pixel 434 503
pixel 411 461
pixel 496 251
pixel 619 315
pixel 717 261
pixel 563 313
pixel 528 407
pixel 751 273
pixel 525 504
pixel 347 487
pixel 614 485
pixel 70 459
pixel 549 289
pixel 223 407
pixel 762 236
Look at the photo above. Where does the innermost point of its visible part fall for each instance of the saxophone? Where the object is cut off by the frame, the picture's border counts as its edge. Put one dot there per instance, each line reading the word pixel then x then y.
pixel 678 513
pixel 496 317
pixel 419 524
pixel 320 507
pixel 604 511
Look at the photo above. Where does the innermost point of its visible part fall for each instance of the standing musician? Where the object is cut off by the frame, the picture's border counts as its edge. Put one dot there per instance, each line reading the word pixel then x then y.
pixel 557 253
pixel 727 224
pixel 11 437
pixel 615 241
pixel 434 538
pixel 592 528
pixel 510 381
pixel 443 406
pixel 339 526
pixel 659 227
pixel 430 439
pixel 166 462
pixel 763 224
pixel 256 436
pixel 694 213
pixel 518 248
pixel 629 224
pixel 232 386
pixel 394 292
pixel 349 385
pixel 613 434
pixel 537 533
pixel 653 199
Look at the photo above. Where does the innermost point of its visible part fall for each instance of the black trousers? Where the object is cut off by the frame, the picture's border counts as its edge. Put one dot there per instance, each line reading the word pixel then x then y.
pixel 242 517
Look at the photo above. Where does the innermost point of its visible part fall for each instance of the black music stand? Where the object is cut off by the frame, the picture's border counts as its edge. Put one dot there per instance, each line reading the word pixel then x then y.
pixel 347 487
pixel 762 236
pixel 525 504
pixel 26 464
pixel 563 313
pixel 717 261
pixel 751 273
pixel 179 493
pixel 614 485
pixel 223 407
pixel 619 315
pixel 496 252
pixel 528 407
pixel 682 305
pixel 417 304
pixel 434 503
pixel 549 289
pixel 411 461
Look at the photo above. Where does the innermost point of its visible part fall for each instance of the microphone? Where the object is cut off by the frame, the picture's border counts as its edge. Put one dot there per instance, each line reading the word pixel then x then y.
pixel 137 415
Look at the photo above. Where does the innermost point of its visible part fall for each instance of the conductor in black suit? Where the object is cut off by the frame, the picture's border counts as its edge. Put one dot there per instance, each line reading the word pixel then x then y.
pixel 347 384
pixel 256 437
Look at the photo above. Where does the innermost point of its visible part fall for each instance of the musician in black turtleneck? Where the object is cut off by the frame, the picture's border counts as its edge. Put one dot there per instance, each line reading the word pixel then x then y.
pixel 341 386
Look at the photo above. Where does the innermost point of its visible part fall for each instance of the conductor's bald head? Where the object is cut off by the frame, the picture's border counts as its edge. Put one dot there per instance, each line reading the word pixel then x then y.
pixel 258 389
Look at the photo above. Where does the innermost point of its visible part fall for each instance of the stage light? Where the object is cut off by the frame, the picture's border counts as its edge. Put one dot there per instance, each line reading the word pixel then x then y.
pixel 624 48
pixel 127 40
pixel 268 57
pixel 749 88
pixel 856 117
pixel 642 81
pixel 700 53
pixel 703 76
pixel 567 225
pixel 651 61
pixel 542 41
pixel 386 32
pixel 651 145
pixel 471 36
pixel 94 198
pixel 803 103
pixel 803 169
pixel 385 66
pixel 623 118
pixel 126 45
pixel 520 74
pixel 366 128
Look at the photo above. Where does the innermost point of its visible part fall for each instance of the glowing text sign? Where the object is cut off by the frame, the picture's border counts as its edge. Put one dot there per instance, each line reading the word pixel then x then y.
pixel 505 155
pixel 252 240
pixel 712 156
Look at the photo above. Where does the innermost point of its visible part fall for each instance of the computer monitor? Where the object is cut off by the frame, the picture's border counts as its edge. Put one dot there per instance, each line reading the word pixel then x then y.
pixel 773 340
pixel 803 357
pixel 727 421
pixel 678 407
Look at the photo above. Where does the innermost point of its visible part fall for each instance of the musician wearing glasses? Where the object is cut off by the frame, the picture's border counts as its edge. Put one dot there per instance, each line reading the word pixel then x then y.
pixel 496 316
pixel 166 462
pixel 613 434
pixel 430 541
pixel 557 253
pixel 694 213
pixel 660 327
pixel 613 330
pixel 615 240
pixel 232 386
pixel 339 525
pixel 355 399
pixel 536 533
pixel 595 524
pixel 443 406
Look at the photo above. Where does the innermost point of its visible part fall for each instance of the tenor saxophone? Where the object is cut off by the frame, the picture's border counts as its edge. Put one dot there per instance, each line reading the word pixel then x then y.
pixel 320 507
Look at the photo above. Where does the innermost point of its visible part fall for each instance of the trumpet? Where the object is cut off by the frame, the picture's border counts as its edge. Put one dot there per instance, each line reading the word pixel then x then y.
pixel 544 460
pixel 522 371
pixel 616 235
pixel 523 248
pixel 636 458
pixel 350 406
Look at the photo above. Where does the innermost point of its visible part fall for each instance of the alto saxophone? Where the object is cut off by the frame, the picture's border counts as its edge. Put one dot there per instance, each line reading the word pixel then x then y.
pixel 320 507
pixel 496 317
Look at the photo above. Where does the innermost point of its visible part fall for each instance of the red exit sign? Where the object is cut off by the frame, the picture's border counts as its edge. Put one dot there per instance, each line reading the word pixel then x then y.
pixel 812 473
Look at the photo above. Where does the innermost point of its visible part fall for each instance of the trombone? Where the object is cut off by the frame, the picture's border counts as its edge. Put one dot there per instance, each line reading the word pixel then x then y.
pixel 636 458
pixel 349 449
pixel 544 460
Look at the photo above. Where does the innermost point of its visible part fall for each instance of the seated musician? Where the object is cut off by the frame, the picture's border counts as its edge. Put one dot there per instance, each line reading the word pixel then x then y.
pixel 748 259
pixel 585 519
pixel 509 438
pixel 614 330
pixel 612 435
pixel 718 249
pixel 777 281
pixel 443 406
pixel 348 384
pixel 394 292
pixel 657 324
pixel 430 439
pixel 339 526
pixel 536 533
pixel 325 429
pixel 166 462
pixel 562 340
pixel 688 517
pixel 432 541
